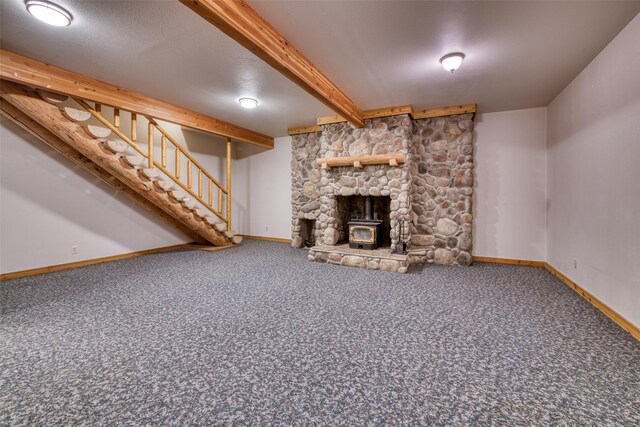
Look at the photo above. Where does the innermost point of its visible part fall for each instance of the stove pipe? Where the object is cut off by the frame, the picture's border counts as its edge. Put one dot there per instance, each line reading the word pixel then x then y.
pixel 368 207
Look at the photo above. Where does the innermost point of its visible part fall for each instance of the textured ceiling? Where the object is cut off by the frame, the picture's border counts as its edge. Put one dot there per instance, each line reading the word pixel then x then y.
pixel 381 53
pixel 164 50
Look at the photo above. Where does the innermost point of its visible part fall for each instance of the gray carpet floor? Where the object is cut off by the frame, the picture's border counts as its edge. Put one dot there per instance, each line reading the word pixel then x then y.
pixel 257 335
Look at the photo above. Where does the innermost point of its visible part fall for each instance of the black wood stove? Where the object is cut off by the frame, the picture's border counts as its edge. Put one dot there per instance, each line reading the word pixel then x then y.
pixel 365 233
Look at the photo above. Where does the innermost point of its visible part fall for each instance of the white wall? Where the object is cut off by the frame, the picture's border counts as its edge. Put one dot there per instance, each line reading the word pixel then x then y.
pixel 48 204
pixel 593 161
pixel 262 191
pixel 510 184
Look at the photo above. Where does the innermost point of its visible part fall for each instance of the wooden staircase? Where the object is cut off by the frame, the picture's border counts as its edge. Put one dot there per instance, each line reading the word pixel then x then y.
pixel 92 135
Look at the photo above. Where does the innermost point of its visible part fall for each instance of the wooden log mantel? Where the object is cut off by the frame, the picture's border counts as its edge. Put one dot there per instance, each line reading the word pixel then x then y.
pixel 391 159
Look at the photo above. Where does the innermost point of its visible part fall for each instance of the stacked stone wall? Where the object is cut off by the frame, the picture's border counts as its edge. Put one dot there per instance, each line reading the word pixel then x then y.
pixel 431 191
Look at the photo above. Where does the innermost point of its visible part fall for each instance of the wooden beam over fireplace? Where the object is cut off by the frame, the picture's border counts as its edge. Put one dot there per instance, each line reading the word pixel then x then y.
pixel 240 22
pixel 391 159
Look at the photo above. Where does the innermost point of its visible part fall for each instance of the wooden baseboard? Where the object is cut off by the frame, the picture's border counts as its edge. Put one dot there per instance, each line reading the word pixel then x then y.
pixel 629 327
pixel 67 266
pixel 623 323
pixel 509 261
pixel 268 239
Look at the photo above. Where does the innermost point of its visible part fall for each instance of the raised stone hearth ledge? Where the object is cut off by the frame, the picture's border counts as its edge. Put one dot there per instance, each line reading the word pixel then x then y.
pixel 378 259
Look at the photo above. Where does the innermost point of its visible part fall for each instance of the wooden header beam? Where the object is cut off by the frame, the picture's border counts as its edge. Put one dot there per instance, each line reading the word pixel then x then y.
pixel 305 129
pixel 37 74
pixel 390 111
pixel 445 111
pixel 240 22
pixel 369 114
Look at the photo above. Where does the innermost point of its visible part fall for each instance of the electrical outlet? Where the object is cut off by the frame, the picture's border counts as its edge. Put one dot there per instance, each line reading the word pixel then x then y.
pixel 575 264
pixel 74 250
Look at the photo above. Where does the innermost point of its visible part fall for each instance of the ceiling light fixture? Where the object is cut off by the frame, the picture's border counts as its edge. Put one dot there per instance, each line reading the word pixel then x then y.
pixel 452 61
pixel 248 103
pixel 48 12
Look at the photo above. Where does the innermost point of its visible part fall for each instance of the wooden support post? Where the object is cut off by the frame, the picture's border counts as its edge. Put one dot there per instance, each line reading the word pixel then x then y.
pixel 177 163
pixel 228 184
pixel 164 150
pixel 357 164
pixel 150 150
pixel 199 182
pixel 134 127
pixel 97 107
pixel 210 193
pixel 219 200
pixel 116 117
pixel 189 173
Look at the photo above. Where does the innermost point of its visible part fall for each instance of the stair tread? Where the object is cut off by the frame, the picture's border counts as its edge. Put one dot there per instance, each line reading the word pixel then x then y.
pixel 178 194
pixel 191 204
pixel 116 146
pixel 135 160
pixel 75 114
pixel 98 132
pixel 51 97
pixel 202 212
pixel 150 173
pixel 165 185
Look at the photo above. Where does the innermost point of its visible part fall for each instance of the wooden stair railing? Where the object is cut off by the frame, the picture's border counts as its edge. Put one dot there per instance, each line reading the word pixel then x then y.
pixel 192 163
pixel 136 164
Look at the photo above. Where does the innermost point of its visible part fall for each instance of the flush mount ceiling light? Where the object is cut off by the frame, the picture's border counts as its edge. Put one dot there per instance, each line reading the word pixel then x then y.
pixel 48 12
pixel 248 103
pixel 452 61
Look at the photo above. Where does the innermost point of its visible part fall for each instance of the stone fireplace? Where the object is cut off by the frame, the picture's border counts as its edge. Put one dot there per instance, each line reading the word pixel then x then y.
pixel 430 192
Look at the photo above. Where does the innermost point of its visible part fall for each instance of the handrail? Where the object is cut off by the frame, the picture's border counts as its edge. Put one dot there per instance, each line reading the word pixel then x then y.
pixel 149 155
pixel 186 153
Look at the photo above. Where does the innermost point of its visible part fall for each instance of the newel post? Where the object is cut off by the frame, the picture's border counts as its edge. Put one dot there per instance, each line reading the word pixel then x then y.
pixel 229 184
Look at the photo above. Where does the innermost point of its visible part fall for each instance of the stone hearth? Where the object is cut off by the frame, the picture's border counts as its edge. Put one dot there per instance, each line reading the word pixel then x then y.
pixel 431 191
pixel 377 259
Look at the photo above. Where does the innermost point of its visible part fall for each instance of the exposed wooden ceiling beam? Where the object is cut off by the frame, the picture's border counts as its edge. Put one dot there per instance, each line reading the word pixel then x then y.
pixel 240 22
pixel 34 73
